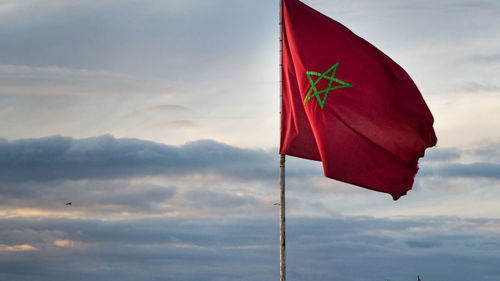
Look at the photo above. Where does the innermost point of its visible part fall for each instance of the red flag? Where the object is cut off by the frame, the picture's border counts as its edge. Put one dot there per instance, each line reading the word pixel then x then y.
pixel 347 104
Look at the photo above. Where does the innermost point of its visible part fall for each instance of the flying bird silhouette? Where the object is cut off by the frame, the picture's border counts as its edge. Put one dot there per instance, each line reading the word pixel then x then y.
pixel 68 204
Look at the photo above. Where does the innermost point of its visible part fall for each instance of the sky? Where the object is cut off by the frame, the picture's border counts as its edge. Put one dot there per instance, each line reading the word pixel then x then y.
pixel 159 121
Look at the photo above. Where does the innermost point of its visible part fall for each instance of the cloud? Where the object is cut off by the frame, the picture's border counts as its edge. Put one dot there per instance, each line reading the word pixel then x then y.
pixel 170 38
pixel 441 154
pixel 209 199
pixel 483 5
pixel 61 81
pixel 485 59
pixel 9 7
pixel 437 248
pixel 474 87
pixel 483 161
pixel 480 170
pixel 89 198
pixel 64 243
pixel 168 107
pixel 489 152
pixel 176 124
pixel 107 177
pixel 17 248
pixel 106 157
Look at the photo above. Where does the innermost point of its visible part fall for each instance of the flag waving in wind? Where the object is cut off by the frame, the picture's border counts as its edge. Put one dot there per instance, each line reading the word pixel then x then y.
pixel 347 104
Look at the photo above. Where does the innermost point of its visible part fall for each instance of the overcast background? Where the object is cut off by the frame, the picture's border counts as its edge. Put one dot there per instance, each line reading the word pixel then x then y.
pixel 159 121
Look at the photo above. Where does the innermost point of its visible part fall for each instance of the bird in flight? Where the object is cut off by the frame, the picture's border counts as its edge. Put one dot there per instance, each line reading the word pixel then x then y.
pixel 68 204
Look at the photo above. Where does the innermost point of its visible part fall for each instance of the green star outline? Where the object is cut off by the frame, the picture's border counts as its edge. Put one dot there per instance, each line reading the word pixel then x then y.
pixel 324 75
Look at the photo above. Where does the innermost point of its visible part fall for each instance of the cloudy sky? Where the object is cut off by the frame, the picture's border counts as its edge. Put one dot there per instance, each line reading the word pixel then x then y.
pixel 159 120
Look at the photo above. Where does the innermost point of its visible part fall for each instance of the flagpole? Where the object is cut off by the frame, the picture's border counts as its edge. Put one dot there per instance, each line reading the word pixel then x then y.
pixel 282 163
pixel 282 220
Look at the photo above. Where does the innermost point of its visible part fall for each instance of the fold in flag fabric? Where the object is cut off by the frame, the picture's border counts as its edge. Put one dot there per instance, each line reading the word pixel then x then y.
pixel 349 105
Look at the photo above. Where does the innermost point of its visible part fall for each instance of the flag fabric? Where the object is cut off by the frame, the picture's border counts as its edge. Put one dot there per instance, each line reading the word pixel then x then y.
pixel 349 105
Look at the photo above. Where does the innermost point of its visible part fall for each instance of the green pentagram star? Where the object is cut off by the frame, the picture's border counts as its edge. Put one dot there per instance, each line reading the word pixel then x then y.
pixel 313 92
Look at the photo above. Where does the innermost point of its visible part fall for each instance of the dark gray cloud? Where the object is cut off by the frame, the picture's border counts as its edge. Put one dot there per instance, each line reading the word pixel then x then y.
pixel 446 162
pixel 480 170
pixel 105 157
pixel 360 248
pixel 107 176
pixel 92 197
pixel 489 152
pixel 441 154
pixel 418 244
pixel 208 199
pixel 141 250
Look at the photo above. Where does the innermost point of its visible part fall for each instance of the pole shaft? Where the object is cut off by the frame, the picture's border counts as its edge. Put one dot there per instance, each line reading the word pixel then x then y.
pixel 282 220
pixel 282 161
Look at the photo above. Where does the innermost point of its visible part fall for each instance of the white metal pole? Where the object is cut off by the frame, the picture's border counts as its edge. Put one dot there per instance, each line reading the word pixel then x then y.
pixel 282 220
pixel 282 164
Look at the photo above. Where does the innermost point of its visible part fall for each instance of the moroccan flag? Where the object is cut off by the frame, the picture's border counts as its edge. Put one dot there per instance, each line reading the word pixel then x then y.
pixel 347 104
